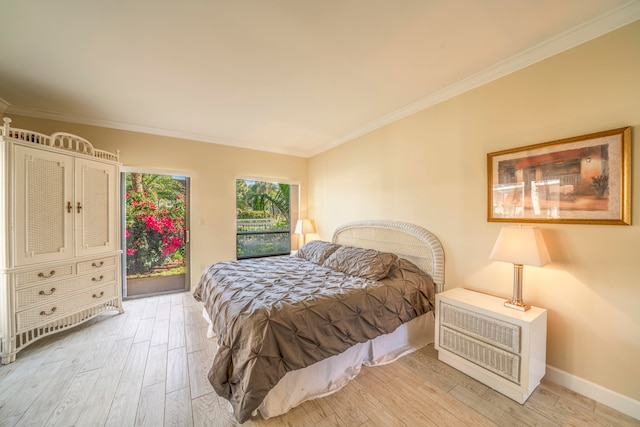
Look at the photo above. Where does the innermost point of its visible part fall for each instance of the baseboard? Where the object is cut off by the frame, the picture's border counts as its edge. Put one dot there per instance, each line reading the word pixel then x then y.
pixel 602 395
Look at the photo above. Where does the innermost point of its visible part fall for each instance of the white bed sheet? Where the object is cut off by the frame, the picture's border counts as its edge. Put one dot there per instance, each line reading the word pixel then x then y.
pixel 330 375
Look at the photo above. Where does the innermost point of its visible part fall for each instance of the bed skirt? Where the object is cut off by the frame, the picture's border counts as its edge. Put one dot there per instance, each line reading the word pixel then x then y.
pixel 331 374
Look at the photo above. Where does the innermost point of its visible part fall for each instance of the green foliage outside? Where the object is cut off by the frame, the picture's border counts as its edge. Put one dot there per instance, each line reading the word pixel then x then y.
pixel 155 213
pixel 257 200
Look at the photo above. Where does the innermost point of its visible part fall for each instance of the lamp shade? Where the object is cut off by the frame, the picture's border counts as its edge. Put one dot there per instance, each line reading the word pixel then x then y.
pixel 304 226
pixel 521 245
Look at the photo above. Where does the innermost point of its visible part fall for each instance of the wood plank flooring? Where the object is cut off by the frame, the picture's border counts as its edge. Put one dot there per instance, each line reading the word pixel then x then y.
pixel 148 367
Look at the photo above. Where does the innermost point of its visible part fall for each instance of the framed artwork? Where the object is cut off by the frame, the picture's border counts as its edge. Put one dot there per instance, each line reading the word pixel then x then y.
pixel 580 180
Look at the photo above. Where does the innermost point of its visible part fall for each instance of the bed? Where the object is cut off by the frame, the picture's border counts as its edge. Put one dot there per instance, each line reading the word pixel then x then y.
pixel 299 327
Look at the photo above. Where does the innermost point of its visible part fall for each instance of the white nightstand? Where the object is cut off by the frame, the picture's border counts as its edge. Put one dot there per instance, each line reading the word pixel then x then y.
pixel 498 346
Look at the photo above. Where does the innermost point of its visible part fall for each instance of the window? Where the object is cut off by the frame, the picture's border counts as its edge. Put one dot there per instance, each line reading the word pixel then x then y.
pixel 263 218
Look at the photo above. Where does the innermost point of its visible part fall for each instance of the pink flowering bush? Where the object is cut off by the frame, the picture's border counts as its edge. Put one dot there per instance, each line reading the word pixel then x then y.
pixel 155 235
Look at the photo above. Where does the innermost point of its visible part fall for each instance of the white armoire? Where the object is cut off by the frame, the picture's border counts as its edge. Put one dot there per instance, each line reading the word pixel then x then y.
pixel 60 251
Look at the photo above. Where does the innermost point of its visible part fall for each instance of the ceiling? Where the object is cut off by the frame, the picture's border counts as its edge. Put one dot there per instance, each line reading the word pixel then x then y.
pixel 287 76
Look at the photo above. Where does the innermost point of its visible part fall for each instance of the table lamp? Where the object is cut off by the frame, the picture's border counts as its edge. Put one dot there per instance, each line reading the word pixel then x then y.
pixel 304 227
pixel 520 246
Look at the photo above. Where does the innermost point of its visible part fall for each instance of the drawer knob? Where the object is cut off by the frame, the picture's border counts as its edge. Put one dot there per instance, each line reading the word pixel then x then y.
pixel 99 296
pixel 44 313
pixel 47 293
pixel 99 279
pixel 97 264
pixel 46 276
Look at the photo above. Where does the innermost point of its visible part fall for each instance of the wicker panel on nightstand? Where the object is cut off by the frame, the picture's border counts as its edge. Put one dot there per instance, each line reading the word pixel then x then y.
pixel 499 361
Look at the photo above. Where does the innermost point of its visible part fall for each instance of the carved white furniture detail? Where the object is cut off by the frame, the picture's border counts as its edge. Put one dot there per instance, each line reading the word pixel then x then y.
pixel 498 346
pixel 60 263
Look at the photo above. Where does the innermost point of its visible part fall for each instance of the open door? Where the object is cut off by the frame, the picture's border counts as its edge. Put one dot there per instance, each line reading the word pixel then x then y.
pixel 156 234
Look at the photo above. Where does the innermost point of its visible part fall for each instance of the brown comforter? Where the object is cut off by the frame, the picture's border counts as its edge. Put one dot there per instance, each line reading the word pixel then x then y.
pixel 274 315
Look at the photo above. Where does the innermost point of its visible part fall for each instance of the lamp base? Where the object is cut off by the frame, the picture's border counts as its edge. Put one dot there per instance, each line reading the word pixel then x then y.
pixel 517 306
pixel 516 301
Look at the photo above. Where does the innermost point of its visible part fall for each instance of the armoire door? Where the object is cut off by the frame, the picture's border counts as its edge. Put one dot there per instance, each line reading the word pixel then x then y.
pixel 43 214
pixel 95 208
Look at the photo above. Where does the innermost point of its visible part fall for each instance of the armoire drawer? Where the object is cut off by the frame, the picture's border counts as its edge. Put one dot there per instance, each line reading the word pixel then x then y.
pixel 96 279
pixel 46 313
pixel 41 294
pixel 53 290
pixel 96 264
pixel 42 275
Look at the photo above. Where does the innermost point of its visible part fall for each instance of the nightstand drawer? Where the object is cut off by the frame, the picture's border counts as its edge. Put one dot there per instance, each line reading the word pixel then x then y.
pixel 498 361
pixel 484 328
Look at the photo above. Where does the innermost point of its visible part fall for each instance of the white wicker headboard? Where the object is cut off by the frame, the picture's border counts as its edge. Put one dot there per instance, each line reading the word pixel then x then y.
pixel 408 241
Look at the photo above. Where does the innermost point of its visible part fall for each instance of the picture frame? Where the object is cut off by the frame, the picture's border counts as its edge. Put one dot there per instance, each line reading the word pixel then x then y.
pixel 580 180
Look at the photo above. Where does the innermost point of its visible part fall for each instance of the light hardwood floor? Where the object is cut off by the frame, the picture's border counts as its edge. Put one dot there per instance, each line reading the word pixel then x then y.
pixel 148 367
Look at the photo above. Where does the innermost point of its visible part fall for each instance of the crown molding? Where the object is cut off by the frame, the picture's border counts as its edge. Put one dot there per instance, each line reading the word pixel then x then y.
pixel 589 30
pixel 3 105
pixel 50 115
